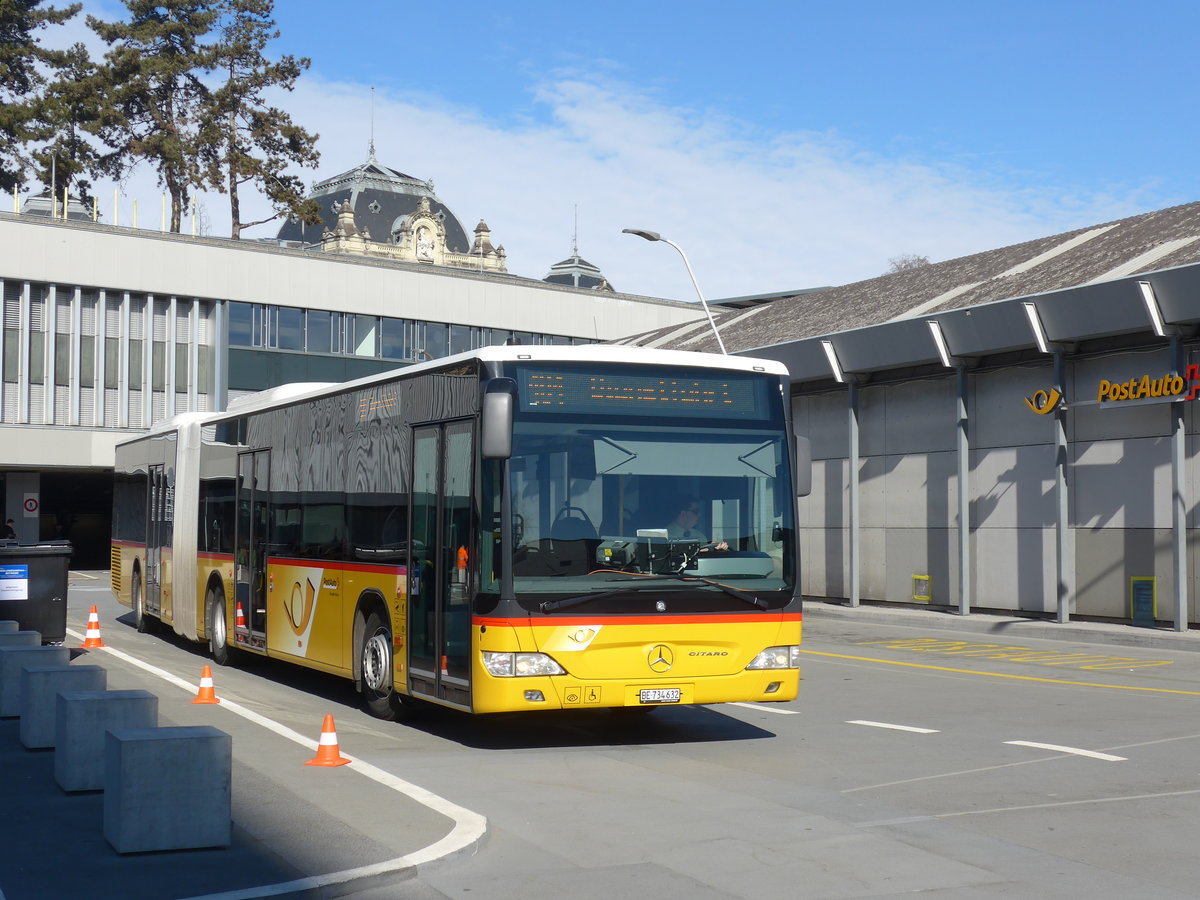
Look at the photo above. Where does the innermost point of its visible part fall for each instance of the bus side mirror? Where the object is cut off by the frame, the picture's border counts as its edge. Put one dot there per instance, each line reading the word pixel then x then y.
pixel 803 466
pixel 499 397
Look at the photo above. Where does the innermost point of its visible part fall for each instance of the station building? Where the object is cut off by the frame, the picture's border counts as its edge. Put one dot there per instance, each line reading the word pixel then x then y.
pixel 107 330
pixel 1013 431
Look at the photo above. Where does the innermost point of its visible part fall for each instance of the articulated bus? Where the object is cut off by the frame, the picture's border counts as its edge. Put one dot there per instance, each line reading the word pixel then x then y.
pixel 515 528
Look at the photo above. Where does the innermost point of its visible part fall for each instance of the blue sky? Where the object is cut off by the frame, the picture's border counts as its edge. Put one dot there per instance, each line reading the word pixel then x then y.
pixel 783 145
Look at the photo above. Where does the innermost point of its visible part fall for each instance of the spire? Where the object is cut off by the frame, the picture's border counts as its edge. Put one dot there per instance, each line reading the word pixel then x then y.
pixel 371 145
pixel 575 237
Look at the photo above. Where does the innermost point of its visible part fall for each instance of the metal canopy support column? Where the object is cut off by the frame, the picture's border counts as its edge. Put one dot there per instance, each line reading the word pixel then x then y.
pixel 1064 563
pixel 964 496
pixel 1179 495
pixel 852 476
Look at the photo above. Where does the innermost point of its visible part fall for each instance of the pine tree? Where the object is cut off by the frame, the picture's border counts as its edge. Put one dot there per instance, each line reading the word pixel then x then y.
pixel 244 140
pixel 153 91
pixel 70 110
pixel 21 81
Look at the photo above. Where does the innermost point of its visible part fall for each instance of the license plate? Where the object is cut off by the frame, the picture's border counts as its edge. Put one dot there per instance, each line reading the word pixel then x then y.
pixel 659 695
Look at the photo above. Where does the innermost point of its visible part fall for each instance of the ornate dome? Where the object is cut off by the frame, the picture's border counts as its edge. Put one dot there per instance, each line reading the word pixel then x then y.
pixel 576 271
pixel 382 200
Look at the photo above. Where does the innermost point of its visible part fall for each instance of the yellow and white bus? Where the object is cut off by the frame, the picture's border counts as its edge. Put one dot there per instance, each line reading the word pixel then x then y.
pixel 494 531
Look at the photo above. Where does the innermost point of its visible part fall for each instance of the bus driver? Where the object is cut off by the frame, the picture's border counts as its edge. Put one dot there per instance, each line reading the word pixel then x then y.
pixel 683 527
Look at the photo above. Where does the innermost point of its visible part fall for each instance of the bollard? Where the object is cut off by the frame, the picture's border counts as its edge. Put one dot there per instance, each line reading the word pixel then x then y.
pixel 14 638
pixel 39 689
pixel 144 768
pixel 81 719
pixel 11 661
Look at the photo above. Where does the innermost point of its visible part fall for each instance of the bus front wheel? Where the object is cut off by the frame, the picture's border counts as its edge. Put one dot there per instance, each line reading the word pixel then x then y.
pixel 218 632
pixel 375 666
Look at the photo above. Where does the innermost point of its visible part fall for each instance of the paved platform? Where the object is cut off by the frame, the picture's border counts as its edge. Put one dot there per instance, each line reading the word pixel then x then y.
pixel 1006 627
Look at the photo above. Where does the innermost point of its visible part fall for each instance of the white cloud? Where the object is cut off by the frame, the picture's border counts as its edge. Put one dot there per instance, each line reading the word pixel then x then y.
pixel 756 212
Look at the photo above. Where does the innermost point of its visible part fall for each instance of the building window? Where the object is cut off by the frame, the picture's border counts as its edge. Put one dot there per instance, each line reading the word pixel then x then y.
pixel 436 339
pixel 324 331
pixel 461 338
pixel 291 328
pixel 394 338
pixel 241 324
pixel 365 338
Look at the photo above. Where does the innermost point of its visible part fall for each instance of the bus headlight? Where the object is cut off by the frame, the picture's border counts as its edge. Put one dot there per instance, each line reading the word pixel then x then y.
pixel 777 658
pixel 519 665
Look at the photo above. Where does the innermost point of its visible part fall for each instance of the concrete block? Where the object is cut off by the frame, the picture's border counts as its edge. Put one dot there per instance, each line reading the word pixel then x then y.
pixel 12 659
pixel 167 788
pixel 8 625
pixel 39 688
pixel 81 719
pixel 15 638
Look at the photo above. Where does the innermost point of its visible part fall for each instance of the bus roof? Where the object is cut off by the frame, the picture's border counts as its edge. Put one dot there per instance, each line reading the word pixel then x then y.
pixel 284 395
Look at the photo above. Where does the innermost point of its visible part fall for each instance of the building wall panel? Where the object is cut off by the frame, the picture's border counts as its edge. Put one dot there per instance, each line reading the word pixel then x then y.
pixel 999 416
pixel 1120 484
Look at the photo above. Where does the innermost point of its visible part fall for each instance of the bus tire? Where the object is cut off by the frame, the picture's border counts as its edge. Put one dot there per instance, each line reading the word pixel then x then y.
pixel 142 620
pixel 217 627
pixel 375 665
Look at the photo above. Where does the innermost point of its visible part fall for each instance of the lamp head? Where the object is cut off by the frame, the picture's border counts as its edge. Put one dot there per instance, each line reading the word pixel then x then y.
pixel 642 233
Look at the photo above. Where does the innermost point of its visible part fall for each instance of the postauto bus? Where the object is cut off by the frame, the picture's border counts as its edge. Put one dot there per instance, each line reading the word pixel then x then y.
pixel 493 531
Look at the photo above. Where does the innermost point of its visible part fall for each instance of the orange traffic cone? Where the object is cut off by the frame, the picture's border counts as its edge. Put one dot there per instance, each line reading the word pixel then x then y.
pixel 240 621
pixel 92 639
pixel 327 750
pixel 206 694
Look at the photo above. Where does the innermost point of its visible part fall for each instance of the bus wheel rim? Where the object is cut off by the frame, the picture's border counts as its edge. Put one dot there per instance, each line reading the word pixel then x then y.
pixel 218 625
pixel 375 656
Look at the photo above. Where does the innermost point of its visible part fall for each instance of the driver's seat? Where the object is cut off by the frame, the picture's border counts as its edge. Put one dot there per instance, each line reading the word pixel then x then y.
pixel 572 546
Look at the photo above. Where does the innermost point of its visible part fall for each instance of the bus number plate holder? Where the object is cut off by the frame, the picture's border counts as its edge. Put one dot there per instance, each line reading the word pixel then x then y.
pixel 659 695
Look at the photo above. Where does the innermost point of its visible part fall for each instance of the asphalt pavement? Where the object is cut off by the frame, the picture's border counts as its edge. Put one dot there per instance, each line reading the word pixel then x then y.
pixel 292 822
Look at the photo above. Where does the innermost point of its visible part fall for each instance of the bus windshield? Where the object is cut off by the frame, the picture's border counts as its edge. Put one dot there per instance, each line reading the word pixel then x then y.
pixel 610 506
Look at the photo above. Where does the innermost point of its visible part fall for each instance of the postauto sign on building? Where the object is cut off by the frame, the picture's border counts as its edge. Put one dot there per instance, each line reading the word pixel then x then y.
pixel 1168 387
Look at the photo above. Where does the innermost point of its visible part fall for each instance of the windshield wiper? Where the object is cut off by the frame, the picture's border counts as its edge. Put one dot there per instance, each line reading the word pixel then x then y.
pixel 568 602
pixel 642 585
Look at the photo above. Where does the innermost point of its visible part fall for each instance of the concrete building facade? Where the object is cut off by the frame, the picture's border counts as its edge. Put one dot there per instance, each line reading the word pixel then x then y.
pixel 107 330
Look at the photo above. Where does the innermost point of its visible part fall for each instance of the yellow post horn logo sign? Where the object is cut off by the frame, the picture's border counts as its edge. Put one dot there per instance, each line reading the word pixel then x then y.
pixel 1043 402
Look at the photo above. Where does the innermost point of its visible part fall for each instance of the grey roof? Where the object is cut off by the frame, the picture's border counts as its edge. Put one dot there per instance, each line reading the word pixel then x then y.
pixel 577 272
pixel 1094 255
pixel 382 198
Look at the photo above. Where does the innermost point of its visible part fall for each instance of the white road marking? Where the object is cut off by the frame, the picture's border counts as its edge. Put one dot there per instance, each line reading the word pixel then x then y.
pixel 777 711
pixel 911 728
pixel 1075 751
pixel 469 827
pixel 907 820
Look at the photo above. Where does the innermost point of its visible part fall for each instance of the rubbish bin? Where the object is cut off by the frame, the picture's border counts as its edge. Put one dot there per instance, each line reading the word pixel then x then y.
pixel 33 587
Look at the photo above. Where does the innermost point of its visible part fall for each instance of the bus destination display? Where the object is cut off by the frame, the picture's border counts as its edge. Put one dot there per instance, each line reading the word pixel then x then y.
pixel 650 393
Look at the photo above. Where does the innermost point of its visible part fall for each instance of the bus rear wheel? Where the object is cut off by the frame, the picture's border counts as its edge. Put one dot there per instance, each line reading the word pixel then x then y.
pixel 218 631
pixel 375 667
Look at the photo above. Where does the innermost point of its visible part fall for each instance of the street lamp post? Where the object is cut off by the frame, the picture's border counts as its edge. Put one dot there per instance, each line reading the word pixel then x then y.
pixel 655 236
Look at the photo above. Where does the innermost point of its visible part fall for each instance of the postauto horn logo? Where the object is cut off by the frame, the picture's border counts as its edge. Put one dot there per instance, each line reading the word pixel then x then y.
pixel 1043 402
pixel 1166 386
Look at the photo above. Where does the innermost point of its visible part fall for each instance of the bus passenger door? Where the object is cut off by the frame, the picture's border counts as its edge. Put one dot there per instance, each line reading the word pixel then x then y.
pixel 250 550
pixel 439 598
pixel 158 536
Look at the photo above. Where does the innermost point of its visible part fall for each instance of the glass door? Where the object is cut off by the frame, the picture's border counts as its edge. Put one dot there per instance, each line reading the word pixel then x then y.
pixel 159 521
pixel 250 576
pixel 442 571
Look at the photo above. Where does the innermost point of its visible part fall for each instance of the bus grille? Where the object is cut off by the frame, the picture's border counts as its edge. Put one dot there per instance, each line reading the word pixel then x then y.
pixel 114 569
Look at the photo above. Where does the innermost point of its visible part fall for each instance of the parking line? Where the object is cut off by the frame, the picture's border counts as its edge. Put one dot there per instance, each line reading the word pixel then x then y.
pixel 911 728
pixel 469 827
pixel 778 712
pixel 1075 751
pixel 1091 684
